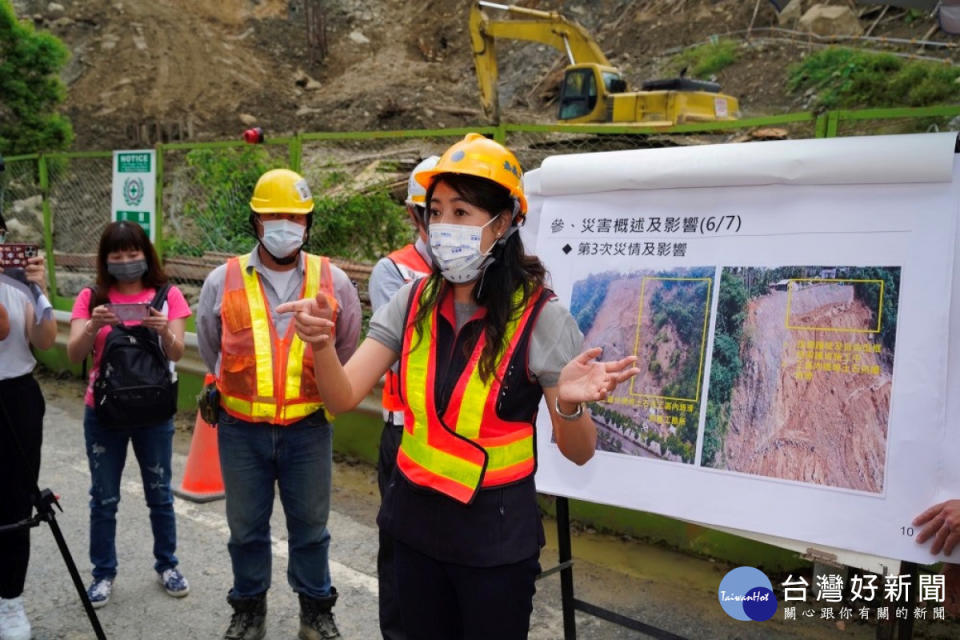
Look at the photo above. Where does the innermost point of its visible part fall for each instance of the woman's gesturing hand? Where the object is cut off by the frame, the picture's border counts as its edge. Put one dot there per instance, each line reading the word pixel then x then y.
pixel 585 379
pixel 313 320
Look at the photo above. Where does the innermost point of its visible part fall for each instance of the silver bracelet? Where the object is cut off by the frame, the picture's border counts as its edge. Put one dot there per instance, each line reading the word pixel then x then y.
pixel 568 416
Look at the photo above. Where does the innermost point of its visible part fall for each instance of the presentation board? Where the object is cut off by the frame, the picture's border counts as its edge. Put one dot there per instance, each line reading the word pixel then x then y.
pixel 789 304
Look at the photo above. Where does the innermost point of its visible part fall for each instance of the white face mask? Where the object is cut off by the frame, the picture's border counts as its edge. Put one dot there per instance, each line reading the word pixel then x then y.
pixel 455 249
pixel 282 237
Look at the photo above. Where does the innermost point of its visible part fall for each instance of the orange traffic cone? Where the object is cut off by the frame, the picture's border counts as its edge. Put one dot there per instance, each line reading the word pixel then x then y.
pixel 202 480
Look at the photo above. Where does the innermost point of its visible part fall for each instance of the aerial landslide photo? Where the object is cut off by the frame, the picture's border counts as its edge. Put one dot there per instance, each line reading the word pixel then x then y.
pixel 662 317
pixel 801 374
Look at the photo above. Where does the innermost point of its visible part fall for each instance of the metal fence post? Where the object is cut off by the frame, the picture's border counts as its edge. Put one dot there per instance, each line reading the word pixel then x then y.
pixel 158 202
pixel 296 151
pixel 833 121
pixel 44 178
pixel 820 127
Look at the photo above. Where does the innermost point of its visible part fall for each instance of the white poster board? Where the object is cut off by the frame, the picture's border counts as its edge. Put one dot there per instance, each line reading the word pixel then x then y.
pixel 790 305
pixel 134 189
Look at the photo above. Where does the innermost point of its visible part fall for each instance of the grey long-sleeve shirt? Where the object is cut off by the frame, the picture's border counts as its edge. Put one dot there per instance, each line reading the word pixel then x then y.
pixel 209 326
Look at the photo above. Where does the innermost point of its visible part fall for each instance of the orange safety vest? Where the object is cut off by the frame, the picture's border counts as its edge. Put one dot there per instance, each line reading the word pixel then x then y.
pixel 411 266
pixel 264 377
pixel 469 446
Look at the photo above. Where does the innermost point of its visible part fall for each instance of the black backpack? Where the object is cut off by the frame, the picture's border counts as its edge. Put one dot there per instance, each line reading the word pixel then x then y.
pixel 134 386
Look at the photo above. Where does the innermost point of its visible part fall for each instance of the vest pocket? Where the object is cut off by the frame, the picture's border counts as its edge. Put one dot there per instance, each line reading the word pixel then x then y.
pixel 235 311
pixel 237 374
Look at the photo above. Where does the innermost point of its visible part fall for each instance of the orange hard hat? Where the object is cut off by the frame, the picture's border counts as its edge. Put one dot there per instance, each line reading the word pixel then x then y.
pixel 478 156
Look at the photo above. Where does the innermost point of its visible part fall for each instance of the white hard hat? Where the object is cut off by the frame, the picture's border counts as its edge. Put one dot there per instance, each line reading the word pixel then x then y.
pixel 416 193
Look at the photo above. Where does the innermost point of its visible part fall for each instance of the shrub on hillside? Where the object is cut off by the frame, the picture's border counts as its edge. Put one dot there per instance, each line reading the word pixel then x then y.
pixel 847 78
pixel 350 225
pixel 30 88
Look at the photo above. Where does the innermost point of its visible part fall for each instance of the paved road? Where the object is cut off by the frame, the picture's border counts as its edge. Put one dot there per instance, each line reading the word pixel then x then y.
pixel 139 608
pixel 646 582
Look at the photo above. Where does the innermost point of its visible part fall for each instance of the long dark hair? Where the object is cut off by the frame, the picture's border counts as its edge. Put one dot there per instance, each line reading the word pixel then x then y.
pixel 124 236
pixel 510 270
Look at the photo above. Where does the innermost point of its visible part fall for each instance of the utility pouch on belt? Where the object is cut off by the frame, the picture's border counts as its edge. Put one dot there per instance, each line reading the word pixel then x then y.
pixel 209 403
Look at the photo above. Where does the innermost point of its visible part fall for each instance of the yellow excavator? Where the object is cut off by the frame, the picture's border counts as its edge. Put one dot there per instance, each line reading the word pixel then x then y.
pixel 593 90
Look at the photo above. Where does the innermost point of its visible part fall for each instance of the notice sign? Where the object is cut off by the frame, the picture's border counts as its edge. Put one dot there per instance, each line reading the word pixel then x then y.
pixel 789 305
pixel 134 188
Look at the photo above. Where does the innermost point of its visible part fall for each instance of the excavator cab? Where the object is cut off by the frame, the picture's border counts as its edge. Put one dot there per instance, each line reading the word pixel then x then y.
pixel 584 91
pixel 578 97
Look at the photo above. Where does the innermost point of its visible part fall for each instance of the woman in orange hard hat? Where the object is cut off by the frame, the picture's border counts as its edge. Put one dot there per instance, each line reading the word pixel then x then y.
pixel 479 342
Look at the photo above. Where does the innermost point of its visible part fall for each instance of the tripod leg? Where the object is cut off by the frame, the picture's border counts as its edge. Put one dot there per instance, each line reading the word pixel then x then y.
pixel 77 582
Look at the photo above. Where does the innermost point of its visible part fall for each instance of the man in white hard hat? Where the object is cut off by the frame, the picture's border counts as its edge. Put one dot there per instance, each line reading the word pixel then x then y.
pixel 389 274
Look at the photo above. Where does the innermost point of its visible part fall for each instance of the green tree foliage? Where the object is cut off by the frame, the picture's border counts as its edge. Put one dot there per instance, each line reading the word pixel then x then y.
pixel 869 294
pixel 30 89
pixel 726 366
pixel 850 78
pixel 588 296
pixel 354 226
pixel 217 218
pixel 681 304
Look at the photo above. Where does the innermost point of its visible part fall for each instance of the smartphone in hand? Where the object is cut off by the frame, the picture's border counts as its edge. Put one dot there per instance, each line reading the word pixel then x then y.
pixel 130 312
pixel 16 255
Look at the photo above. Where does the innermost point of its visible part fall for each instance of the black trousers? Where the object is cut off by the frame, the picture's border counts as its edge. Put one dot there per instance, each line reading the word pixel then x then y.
pixel 457 602
pixel 391 623
pixel 21 418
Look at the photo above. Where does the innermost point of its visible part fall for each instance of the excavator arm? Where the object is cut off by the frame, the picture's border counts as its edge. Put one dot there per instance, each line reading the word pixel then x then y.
pixel 546 27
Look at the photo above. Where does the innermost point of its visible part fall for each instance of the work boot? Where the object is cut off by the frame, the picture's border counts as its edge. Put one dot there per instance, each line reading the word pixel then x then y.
pixel 316 617
pixel 249 621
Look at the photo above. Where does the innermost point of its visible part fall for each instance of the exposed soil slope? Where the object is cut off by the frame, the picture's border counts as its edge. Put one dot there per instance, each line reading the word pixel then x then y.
pixel 830 429
pixel 177 68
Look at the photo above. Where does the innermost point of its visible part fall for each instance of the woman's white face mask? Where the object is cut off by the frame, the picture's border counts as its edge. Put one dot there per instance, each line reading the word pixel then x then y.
pixel 455 249
pixel 282 237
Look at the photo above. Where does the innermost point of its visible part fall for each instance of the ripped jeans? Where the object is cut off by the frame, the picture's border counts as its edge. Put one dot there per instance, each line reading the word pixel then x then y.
pixel 107 453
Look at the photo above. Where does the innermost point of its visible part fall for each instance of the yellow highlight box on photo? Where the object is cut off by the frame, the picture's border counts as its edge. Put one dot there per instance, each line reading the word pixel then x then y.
pixel 878 313
pixel 703 338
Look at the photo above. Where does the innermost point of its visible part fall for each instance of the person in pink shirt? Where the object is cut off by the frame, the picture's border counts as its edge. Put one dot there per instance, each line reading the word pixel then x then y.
pixel 128 272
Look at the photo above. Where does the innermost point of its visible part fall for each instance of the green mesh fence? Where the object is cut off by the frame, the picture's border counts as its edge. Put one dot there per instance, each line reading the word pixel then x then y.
pixel 79 200
pixel 358 179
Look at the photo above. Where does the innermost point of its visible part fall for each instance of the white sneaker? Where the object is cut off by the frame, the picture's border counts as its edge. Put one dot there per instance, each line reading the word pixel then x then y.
pixel 13 620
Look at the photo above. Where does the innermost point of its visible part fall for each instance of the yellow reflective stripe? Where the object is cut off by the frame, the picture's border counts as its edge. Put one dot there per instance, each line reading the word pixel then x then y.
pixel 415 375
pixel 476 391
pixel 255 411
pixel 267 410
pixel 440 462
pixel 260 323
pixel 300 410
pixel 510 454
pixel 295 357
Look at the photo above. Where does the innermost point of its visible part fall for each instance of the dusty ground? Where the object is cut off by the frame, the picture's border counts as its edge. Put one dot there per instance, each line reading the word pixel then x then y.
pixel 142 68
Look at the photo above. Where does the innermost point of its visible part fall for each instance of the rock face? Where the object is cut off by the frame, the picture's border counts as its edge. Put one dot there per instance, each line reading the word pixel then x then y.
pixel 826 20
pixel 25 220
pixel 791 13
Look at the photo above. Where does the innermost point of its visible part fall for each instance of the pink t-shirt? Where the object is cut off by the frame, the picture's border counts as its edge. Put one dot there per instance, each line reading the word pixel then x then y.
pixel 175 307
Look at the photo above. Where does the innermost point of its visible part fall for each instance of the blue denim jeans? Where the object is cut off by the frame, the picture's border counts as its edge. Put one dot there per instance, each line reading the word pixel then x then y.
pixel 255 456
pixel 107 454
